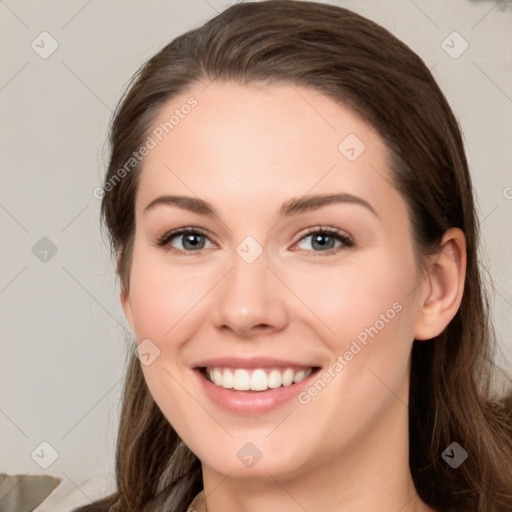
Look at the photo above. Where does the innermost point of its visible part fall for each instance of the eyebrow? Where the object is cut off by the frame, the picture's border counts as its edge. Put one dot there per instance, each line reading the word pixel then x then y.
pixel 291 207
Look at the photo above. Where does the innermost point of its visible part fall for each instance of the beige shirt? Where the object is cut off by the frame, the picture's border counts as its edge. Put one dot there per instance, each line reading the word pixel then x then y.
pixel 23 493
pixel 48 493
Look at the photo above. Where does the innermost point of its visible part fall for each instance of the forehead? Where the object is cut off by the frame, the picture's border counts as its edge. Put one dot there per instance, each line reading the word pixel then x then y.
pixel 262 140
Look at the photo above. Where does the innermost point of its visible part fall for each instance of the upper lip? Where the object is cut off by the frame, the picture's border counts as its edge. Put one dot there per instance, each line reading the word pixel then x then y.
pixel 251 362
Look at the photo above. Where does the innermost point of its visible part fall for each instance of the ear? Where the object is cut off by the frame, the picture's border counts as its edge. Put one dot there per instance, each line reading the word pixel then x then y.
pixel 126 304
pixel 442 290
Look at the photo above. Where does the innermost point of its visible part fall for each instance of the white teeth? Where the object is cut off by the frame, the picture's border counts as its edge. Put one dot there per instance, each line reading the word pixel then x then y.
pixel 274 379
pixel 299 376
pixel 288 377
pixel 227 379
pixel 242 380
pixel 257 379
pixel 216 376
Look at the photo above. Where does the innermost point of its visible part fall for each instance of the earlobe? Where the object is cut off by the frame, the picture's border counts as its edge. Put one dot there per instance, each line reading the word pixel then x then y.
pixel 444 286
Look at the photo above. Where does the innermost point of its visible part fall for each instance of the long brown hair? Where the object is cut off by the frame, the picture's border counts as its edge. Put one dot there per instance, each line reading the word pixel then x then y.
pixel 453 393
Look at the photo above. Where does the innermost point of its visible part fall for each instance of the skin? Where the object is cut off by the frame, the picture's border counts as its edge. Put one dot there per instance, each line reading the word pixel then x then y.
pixel 246 150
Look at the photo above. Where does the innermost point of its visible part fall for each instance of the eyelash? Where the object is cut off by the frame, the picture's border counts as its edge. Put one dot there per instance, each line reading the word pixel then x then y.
pixel 346 241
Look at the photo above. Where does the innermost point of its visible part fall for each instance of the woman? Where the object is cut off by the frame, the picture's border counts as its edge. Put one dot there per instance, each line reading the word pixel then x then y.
pixel 290 206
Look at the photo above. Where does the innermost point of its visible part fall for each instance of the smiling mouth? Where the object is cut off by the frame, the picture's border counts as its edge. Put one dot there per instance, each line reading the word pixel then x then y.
pixel 256 379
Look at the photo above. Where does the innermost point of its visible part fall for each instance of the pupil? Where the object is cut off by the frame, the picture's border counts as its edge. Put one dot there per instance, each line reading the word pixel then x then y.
pixel 190 239
pixel 318 240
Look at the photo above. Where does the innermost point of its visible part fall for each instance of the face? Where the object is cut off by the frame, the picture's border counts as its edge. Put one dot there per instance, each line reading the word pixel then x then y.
pixel 299 257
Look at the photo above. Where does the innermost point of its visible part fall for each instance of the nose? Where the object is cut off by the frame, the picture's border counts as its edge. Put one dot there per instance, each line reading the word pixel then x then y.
pixel 250 300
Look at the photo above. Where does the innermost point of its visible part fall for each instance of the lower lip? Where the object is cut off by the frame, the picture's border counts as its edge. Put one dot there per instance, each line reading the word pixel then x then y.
pixel 251 402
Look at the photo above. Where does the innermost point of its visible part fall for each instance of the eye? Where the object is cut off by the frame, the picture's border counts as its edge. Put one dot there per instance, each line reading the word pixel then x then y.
pixel 324 239
pixel 192 240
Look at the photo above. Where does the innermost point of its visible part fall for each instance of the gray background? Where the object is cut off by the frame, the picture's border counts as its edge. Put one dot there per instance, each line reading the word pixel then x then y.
pixel 63 331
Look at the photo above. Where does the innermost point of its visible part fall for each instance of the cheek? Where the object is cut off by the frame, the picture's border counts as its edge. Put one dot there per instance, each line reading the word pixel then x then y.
pixel 165 302
pixel 365 315
pixel 357 294
pixel 366 318
pixel 163 297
